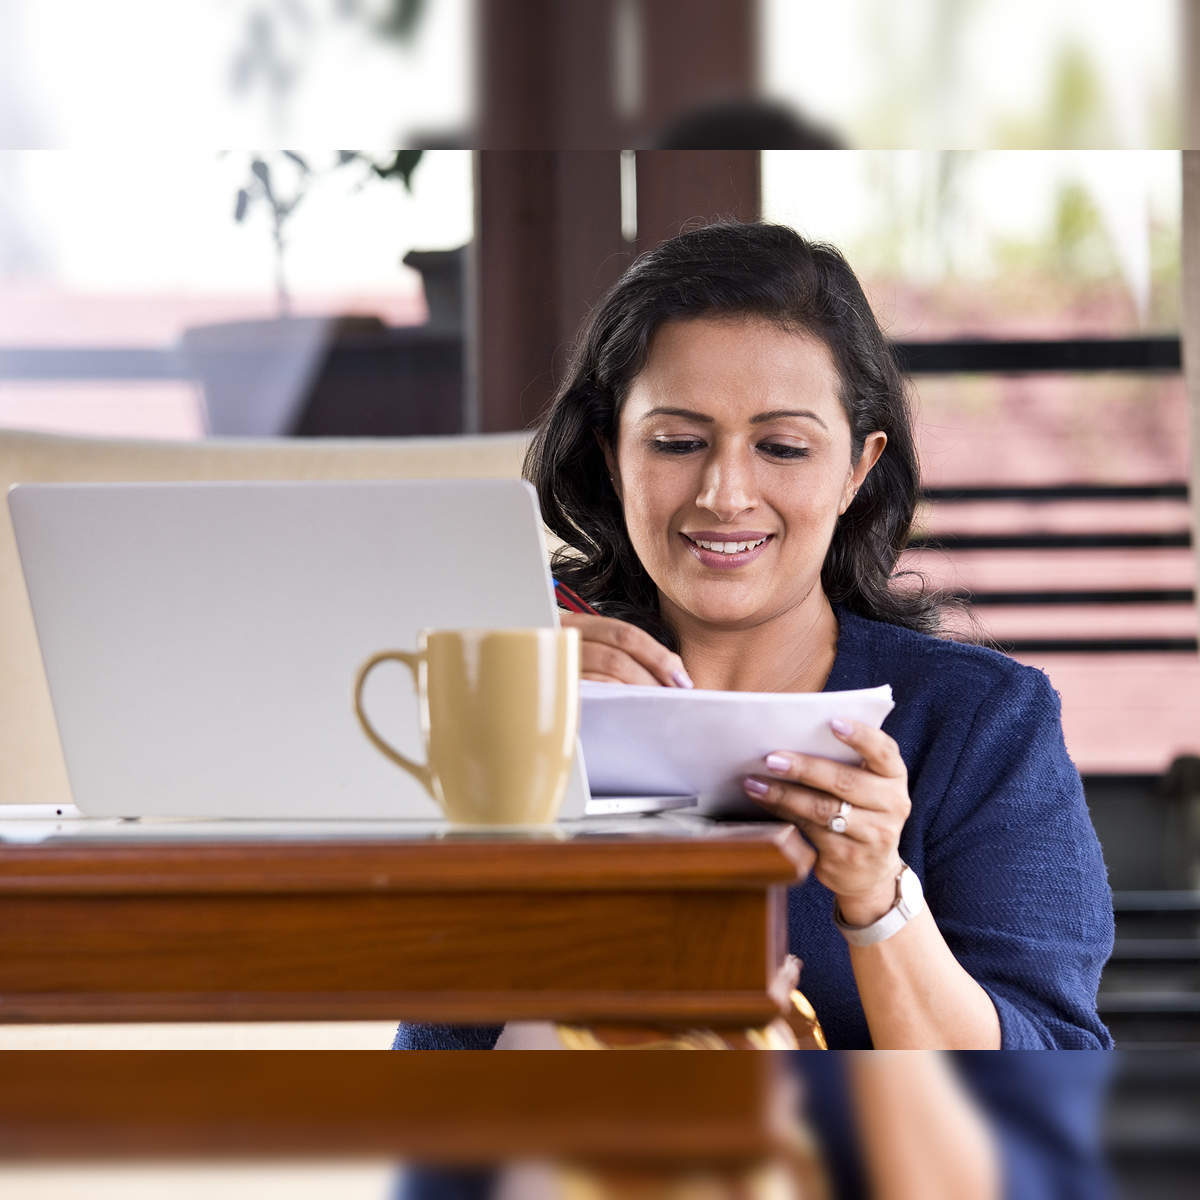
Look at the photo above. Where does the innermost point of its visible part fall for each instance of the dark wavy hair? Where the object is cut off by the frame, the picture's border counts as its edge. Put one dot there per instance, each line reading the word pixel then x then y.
pixel 734 269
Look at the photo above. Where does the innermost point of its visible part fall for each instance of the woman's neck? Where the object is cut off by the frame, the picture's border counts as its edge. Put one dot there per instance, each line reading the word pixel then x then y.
pixel 792 652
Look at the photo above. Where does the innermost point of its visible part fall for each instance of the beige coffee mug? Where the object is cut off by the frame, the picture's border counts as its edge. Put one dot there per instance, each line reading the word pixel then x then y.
pixel 499 716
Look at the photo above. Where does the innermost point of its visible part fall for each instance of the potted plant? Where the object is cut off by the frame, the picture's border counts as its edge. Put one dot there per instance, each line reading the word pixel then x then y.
pixel 259 375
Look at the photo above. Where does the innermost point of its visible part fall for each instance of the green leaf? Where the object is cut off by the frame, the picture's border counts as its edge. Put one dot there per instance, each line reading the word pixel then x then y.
pixel 262 173
pixel 298 161
pixel 243 202
pixel 402 166
pixel 402 19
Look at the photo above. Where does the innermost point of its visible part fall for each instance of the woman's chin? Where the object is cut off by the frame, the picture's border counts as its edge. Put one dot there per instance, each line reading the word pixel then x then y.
pixel 723 612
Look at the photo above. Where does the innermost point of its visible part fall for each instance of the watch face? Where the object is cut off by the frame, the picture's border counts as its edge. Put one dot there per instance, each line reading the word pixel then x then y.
pixel 910 888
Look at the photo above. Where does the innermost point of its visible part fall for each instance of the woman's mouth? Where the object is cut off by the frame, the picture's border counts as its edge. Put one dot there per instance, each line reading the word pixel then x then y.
pixel 725 551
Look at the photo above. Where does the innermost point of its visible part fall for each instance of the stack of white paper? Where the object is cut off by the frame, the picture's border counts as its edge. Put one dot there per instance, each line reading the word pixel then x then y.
pixel 667 741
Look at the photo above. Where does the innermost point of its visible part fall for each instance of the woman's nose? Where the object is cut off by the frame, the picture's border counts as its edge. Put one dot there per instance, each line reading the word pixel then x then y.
pixel 727 488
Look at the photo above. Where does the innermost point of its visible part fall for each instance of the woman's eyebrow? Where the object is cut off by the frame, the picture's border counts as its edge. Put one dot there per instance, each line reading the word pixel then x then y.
pixel 776 413
pixel 678 412
pixel 757 419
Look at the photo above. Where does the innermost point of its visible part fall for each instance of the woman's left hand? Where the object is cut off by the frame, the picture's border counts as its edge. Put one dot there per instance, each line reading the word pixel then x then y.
pixel 859 865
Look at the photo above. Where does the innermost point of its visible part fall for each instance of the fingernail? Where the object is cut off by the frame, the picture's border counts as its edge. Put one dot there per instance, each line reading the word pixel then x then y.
pixel 756 787
pixel 840 726
pixel 681 679
pixel 777 763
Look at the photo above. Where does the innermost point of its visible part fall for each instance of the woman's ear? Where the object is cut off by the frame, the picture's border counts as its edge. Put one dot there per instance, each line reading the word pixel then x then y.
pixel 873 446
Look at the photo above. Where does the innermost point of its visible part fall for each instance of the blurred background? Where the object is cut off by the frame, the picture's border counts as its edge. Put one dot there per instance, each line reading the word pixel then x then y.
pixel 184 254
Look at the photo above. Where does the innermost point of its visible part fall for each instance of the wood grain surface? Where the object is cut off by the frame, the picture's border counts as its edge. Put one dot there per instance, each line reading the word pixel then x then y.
pixel 724 856
pixel 454 1108
pixel 685 931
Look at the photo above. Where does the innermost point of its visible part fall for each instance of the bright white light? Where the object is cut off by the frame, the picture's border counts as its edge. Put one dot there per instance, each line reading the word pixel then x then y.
pixel 132 72
pixel 948 73
pixel 845 196
pixel 161 219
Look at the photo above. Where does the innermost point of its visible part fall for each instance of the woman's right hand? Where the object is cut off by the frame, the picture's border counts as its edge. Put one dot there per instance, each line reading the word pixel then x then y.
pixel 615 651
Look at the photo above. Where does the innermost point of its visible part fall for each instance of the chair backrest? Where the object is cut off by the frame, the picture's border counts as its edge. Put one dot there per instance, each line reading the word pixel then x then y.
pixel 31 763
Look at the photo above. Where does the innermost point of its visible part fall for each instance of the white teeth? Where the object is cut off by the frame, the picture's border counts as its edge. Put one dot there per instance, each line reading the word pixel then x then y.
pixel 728 547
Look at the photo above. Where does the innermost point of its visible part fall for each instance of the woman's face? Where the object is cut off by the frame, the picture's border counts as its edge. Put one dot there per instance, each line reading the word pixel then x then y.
pixel 733 463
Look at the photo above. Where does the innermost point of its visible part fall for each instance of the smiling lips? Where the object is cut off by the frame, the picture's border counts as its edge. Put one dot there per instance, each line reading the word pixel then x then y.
pixel 726 550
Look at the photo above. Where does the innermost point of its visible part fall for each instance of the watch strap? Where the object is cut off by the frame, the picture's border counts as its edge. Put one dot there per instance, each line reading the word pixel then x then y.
pixel 892 921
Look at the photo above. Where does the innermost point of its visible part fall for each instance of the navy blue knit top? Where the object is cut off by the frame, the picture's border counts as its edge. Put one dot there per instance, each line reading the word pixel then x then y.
pixel 999 835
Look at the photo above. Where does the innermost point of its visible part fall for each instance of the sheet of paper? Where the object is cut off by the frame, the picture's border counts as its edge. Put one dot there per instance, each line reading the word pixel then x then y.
pixel 659 740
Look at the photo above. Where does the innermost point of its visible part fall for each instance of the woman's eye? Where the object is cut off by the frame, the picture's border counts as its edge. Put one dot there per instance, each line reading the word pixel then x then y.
pixel 779 450
pixel 676 446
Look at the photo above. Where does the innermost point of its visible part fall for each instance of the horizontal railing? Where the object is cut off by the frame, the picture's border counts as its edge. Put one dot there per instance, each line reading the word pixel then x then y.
pixel 961 356
pixel 957 356
pixel 1061 491
pixel 96 364
pixel 1099 645
pixel 1142 540
pixel 62 363
pixel 1082 596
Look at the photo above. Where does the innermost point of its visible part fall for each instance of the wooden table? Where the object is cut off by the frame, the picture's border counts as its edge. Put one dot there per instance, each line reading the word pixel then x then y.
pixel 673 925
pixel 460 1108
pixel 605 1126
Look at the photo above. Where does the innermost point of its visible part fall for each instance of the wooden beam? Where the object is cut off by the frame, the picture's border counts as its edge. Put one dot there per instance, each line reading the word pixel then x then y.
pixel 545 75
pixel 548 244
pixel 676 188
pixel 694 54
pixel 515 311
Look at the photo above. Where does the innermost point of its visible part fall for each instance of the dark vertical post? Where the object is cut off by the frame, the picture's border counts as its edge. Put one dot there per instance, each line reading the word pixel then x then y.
pixel 515 311
pixel 548 243
pixel 675 187
pixel 695 53
pixel 548 208
pixel 545 75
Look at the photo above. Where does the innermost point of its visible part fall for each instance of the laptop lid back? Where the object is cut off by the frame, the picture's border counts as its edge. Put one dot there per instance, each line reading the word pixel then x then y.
pixel 201 640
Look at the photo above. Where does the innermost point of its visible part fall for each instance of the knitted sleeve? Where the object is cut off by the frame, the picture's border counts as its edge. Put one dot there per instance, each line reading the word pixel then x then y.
pixel 1014 873
pixel 412 1035
pixel 1047 1114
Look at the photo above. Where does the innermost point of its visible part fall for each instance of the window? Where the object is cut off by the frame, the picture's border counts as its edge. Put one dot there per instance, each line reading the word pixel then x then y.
pixel 118 265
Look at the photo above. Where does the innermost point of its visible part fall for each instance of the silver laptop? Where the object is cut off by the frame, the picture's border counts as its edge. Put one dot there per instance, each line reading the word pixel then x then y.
pixel 201 640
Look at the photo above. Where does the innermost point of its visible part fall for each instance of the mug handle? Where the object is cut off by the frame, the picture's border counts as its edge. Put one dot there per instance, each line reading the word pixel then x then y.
pixel 411 659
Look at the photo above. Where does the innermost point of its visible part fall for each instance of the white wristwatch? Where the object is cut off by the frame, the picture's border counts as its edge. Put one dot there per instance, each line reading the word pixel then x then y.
pixel 910 899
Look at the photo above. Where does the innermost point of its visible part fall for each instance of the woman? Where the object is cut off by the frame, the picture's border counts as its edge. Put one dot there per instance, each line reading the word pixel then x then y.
pixel 731 467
